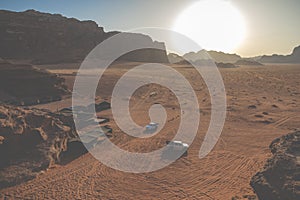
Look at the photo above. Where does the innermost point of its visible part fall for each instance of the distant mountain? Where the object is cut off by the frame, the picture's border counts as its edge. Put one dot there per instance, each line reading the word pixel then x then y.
pixel 219 57
pixel 247 62
pixel 174 58
pixel 52 38
pixel 226 65
pixel 292 58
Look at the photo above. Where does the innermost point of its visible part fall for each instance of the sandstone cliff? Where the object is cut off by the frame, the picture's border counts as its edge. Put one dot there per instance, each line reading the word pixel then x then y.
pixel 52 38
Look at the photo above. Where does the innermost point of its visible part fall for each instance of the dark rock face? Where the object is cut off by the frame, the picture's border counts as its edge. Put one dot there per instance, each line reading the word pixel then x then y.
pixel 292 58
pixel 280 178
pixel 51 38
pixel 25 85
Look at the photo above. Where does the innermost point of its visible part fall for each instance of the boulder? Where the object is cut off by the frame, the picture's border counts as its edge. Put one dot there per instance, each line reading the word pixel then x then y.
pixel 280 177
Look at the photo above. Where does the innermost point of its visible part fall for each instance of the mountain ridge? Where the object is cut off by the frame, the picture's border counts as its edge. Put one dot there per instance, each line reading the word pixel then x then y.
pixel 221 57
pixel 294 57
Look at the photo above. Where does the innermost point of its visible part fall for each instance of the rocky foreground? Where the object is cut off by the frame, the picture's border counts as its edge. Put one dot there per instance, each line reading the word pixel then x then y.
pixel 280 178
pixel 33 140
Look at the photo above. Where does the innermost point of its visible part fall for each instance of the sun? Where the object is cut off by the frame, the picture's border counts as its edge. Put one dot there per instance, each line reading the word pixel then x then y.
pixel 213 24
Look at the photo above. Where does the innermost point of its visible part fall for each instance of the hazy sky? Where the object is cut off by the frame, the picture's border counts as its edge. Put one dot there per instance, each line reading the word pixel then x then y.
pixel 273 26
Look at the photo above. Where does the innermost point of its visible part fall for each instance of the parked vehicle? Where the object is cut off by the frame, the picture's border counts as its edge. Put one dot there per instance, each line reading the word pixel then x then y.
pixel 178 146
pixel 151 127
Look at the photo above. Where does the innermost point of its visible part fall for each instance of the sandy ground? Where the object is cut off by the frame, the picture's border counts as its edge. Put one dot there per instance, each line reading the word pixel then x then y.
pixel 263 103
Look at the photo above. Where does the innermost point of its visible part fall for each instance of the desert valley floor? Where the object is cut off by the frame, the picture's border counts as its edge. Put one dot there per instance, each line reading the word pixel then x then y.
pixel 263 102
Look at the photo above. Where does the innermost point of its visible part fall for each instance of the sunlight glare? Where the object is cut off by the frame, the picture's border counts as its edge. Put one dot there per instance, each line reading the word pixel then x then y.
pixel 213 24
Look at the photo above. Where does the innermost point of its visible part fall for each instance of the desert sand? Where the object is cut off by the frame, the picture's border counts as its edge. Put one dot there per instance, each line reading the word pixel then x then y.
pixel 263 103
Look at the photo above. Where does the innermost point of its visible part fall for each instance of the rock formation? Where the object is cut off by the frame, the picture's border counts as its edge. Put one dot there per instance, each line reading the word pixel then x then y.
pixel 52 38
pixel 280 177
pixel 25 85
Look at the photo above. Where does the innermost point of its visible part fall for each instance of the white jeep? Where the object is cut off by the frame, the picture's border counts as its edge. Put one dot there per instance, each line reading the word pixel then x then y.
pixel 178 146
pixel 151 127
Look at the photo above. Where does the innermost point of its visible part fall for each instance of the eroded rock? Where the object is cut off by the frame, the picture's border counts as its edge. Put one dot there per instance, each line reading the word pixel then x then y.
pixel 31 140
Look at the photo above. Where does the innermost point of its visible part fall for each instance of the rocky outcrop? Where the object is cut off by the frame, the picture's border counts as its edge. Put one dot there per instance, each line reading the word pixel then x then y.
pixel 280 178
pixel 31 141
pixel 25 85
pixel 52 38
pixel 292 58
